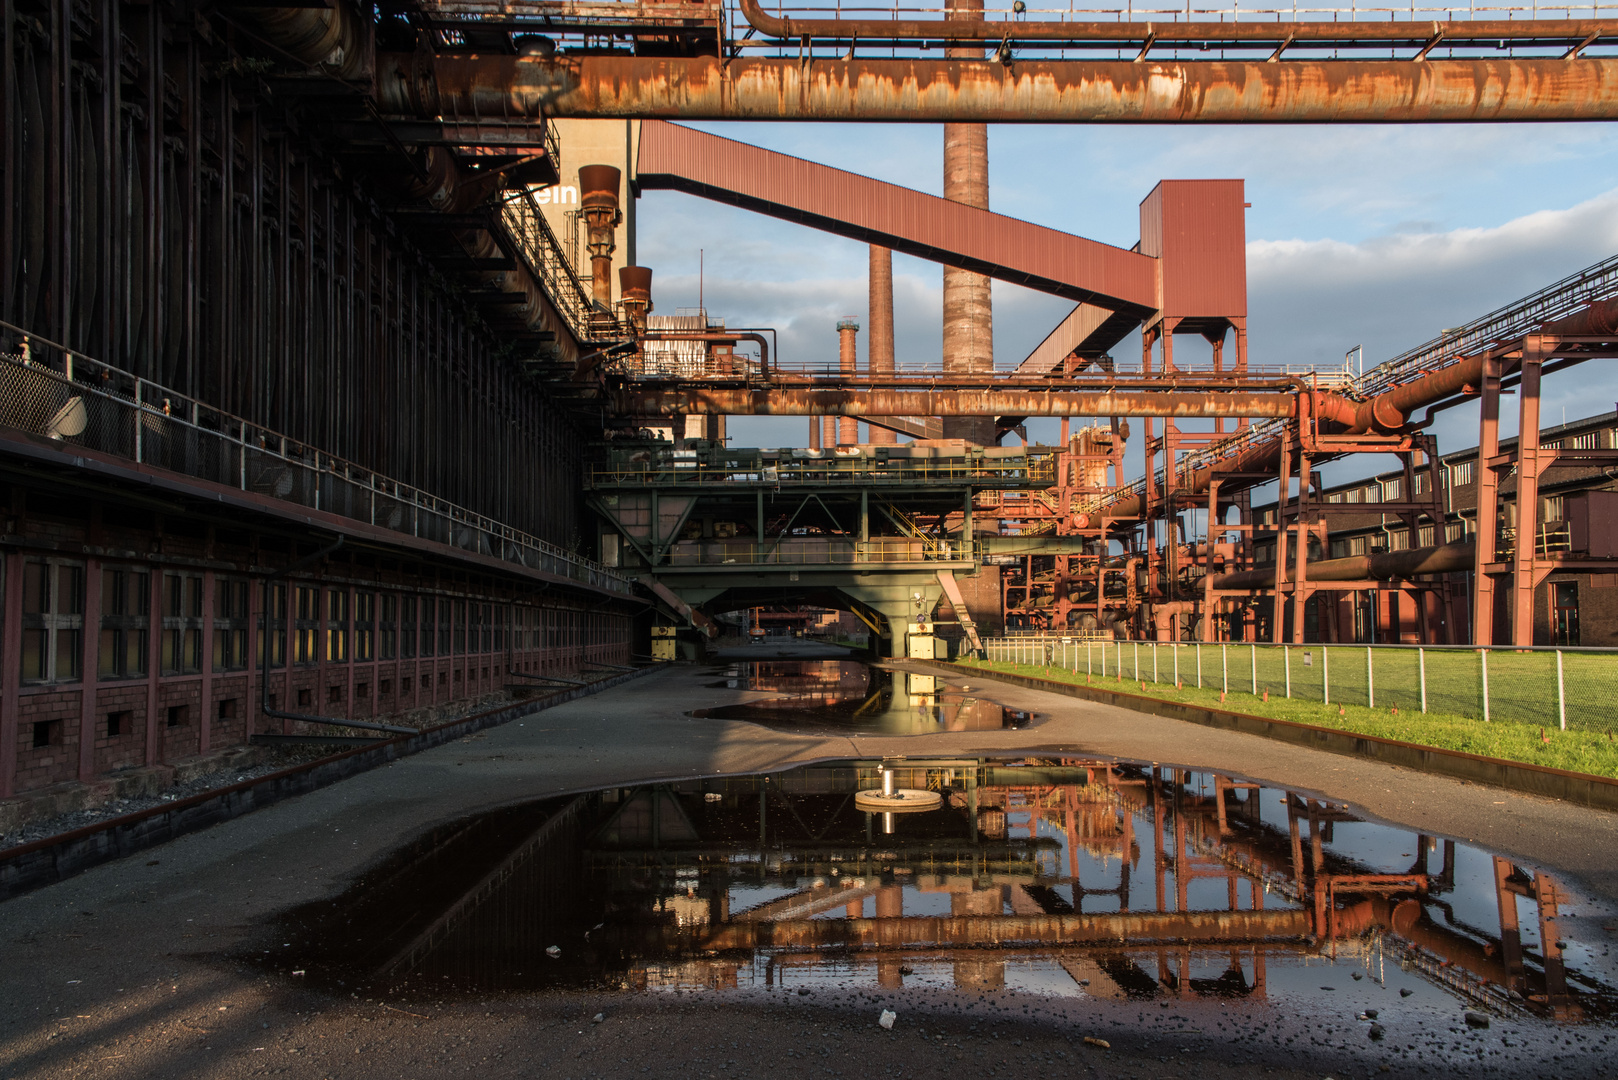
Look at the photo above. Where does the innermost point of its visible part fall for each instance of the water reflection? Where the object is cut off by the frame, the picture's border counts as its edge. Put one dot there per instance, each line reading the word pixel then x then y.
pixel 849 697
pixel 1069 876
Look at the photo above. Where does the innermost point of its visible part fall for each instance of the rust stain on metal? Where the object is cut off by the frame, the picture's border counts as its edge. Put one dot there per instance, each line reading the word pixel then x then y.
pixel 726 401
pixel 1033 91
pixel 1143 928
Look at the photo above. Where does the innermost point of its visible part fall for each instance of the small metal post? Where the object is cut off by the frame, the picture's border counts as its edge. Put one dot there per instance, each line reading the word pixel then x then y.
pixel 1483 660
pixel 1370 680
pixel 1224 668
pixel 1325 675
pixel 1089 659
pixel 1561 693
pixel 1154 663
pixel 1199 665
pixel 1253 655
pixel 1421 673
pixel 1286 659
pixel 1174 651
pixel 1137 660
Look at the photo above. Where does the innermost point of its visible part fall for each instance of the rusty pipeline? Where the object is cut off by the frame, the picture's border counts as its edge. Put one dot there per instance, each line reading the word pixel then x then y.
pixel 741 401
pixel 1392 565
pixel 1293 32
pixel 1032 91
pixel 1599 319
pixel 332 36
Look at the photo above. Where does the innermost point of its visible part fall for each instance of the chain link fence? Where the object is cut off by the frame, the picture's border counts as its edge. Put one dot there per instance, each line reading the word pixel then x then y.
pixel 1569 689
pixel 78 402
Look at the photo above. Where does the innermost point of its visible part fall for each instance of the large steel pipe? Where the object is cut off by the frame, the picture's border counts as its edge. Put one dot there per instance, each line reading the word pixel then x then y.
pixel 1409 31
pixel 737 401
pixel 1034 91
pixel 1389 566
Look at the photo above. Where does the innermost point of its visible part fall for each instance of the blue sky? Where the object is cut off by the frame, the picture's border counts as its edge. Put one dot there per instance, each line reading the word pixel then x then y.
pixel 1373 235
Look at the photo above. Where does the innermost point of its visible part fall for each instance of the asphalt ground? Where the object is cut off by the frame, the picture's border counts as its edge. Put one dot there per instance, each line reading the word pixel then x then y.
pixel 131 969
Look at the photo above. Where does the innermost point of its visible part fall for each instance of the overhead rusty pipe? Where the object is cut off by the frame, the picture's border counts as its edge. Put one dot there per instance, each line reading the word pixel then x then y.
pixel 1599 319
pixel 598 202
pixel 1389 566
pixel 333 35
pixel 1410 31
pixel 1029 91
pixel 792 401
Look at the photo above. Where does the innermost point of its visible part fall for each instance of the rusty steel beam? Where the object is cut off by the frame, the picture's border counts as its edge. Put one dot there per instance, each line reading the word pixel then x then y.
pixel 1132 928
pixel 1032 91
pixel 1293 32
pixel 634 401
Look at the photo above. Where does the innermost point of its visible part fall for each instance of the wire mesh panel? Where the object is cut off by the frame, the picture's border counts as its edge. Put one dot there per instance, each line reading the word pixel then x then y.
pixel 1397 679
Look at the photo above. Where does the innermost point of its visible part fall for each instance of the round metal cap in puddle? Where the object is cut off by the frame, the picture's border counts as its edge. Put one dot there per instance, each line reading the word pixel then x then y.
pixel 902 801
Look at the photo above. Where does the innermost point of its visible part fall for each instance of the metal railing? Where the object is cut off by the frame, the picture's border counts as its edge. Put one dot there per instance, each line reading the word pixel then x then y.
pixel 545 256
pixel 1565 688
pixel 1557 300
pixel 80 402
pixel 810 551
pixel 1037 470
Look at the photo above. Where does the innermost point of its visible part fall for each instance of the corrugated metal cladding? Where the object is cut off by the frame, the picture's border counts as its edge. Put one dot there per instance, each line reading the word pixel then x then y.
pixel 1003 247
pixel 1198 228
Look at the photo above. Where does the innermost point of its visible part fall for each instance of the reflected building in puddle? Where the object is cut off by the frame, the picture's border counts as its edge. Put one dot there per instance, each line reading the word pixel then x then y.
pixel 1114 881
pixel 849 696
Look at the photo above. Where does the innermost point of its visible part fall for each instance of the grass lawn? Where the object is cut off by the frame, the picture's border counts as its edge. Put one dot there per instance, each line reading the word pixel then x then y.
pixel 1577 749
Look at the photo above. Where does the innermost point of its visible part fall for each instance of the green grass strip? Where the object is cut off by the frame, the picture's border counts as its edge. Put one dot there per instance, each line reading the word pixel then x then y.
pixel 1592 752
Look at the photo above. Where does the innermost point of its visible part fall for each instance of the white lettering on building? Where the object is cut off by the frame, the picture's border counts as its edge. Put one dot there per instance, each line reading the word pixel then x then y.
pixel 560 195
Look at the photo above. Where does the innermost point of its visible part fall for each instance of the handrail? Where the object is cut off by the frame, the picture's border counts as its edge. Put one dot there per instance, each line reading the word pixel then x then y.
pixel 196 439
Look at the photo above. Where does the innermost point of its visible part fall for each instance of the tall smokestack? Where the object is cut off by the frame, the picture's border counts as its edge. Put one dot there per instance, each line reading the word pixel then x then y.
pixel 879 344
pixel 598 199
pixel 968 314
pixel 848 427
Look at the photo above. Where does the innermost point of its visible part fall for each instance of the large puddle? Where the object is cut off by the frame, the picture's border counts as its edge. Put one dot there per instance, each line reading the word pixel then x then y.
pixel 1071 878
pixel 847 697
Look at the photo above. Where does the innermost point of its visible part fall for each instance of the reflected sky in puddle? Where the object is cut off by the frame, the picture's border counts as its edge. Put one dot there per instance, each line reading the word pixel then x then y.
pixel 1065 877
pixel 847 697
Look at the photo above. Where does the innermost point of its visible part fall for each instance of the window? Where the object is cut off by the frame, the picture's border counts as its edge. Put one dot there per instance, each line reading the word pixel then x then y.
pixel 126 603
pixel 1425 536
pixel 1399 540
pixel 1356 545
pixel 1551 508
pixel 120 723
pixel 230 597
pixel 52 621
pixel 227 708
pixel 182 624
pixel 1590 440
pixel 1422 484
pixel 460 627
pixel 1335 497
pixel 1373 493
pixel 1391 490
pixel 407 627
pixel 387 628
pixel 45 733
pixel 485 618
pixel 337 626
pixel 1351 495
pixel 276 636
pixel 429 624
pixel 364 626
pixel 178 715
pixel 446 626
pixel 1461 474
pixel 306 624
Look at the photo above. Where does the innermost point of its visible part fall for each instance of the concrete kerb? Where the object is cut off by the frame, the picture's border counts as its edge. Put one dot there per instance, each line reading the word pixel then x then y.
pixel 55 858
pixel 1583 789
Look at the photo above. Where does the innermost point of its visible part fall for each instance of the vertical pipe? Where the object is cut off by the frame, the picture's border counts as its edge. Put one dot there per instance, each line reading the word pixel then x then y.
pixel 1561 694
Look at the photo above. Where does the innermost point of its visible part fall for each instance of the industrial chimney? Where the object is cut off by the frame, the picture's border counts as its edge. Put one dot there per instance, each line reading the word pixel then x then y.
pixel 968 314
pixel 848 427
pixel 879 343
pixel 598 199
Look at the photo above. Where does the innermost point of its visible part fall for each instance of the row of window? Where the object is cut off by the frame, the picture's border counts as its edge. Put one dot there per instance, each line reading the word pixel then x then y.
pixel 336 625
